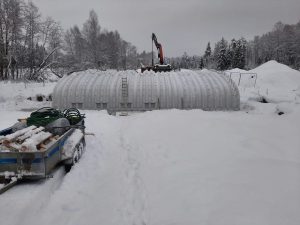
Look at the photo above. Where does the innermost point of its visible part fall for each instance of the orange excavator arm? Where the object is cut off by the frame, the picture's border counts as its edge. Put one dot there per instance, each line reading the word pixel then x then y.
pixel 161 67
pixel 159 49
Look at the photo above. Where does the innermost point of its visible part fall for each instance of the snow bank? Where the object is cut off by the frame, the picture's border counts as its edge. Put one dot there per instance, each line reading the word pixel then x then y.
pixel 276 83
pixel 272 75
pixel 277 75
pixel 14 95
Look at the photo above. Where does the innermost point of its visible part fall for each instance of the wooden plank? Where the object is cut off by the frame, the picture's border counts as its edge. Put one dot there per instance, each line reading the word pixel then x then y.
pixel 32 143
pixel 30 133
pixel 18 133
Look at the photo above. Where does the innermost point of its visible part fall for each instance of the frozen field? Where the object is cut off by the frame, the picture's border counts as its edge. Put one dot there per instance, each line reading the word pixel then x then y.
pixel 176 167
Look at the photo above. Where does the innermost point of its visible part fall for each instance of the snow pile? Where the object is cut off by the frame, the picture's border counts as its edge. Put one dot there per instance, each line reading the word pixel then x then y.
pixel 276 75
pixel 276 84
pixel 270 75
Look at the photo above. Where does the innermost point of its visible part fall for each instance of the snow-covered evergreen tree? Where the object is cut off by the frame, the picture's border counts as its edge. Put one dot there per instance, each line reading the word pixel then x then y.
pixel 239 60
pixel 207 51
pixel 243 50
pixel 237 53
pixel 201 65
pixel 221 55
pixel 230 53
pixel 207 55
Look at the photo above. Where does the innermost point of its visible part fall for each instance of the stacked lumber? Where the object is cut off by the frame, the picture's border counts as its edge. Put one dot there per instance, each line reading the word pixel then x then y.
pixel 29 139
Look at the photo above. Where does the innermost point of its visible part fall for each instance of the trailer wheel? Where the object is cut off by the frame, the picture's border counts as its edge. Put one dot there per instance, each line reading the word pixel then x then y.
pixel 76 155
pixel 80 149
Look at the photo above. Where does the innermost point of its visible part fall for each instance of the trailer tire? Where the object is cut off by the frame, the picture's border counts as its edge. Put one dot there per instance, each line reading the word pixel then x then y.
pixel 79 149
pixel 68 167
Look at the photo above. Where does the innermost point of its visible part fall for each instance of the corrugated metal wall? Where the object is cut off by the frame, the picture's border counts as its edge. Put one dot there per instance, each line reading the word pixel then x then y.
pixel 132 91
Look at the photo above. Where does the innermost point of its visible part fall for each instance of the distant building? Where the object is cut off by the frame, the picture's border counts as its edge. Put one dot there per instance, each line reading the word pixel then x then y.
pixel 132 91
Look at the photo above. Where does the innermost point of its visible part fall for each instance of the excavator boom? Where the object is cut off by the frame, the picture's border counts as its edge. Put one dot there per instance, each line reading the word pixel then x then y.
pixel 161 67
pixel 159 49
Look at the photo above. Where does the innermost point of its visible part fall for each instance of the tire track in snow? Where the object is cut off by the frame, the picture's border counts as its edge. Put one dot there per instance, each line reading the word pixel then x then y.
pixel 32 197
pixel 135 195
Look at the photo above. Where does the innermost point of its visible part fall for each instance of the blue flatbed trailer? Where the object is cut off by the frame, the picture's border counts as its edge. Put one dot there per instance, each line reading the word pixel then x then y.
pixel 17 165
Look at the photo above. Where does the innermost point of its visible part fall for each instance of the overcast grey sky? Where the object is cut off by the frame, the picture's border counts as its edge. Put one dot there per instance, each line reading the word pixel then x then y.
pixel 180 25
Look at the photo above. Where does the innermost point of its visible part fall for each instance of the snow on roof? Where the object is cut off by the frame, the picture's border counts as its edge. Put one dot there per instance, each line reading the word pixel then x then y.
pixel 237 70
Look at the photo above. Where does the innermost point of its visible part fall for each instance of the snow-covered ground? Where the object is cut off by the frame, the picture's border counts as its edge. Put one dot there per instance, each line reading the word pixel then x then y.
pixel 14 95
pixel 177 167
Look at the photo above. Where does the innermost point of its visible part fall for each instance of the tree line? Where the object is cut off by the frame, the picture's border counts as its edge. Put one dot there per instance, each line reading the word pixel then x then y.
pixel 31 44
pixel 92 47
pixel 281 44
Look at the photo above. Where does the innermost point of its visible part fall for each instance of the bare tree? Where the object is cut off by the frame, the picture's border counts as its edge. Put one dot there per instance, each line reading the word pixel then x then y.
pixel 91 32
pixel 32 28
pixel 10 30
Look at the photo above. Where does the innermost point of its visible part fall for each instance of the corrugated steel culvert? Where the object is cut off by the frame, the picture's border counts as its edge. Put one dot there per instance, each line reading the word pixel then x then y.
pixel 131 91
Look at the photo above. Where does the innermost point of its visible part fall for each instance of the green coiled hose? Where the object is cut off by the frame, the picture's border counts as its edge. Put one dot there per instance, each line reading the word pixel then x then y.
pixel 44 116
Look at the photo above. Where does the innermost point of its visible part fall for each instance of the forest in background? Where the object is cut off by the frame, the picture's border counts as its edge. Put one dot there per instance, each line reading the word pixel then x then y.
pixel 31 44
pixel 281 44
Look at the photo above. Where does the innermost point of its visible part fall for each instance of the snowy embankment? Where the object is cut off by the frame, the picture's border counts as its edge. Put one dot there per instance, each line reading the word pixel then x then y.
pixel 14 95
pixel 174 167
pixel 276 84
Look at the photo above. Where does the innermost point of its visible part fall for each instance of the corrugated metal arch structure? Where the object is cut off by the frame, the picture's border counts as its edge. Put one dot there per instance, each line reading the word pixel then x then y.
pixel 132 91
